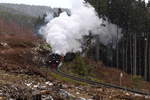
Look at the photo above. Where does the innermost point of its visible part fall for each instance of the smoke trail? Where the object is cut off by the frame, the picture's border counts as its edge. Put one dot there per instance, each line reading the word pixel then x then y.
pixel 63 32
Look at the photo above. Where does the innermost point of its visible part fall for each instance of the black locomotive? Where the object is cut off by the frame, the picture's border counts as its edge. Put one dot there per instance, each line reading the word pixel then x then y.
pixel 54 60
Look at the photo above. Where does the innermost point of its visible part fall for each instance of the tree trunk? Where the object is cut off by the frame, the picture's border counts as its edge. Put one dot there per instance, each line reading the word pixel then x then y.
pixel 149 57
pixel 123 54
pixel 97 48
pixel 145 67
pixel 126 54
pixel 140 57
pixel 131 54
pixel 135 56
pixel 117 62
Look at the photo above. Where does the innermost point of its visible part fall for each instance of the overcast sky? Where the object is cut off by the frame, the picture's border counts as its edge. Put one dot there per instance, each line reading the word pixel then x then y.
pixel 52 3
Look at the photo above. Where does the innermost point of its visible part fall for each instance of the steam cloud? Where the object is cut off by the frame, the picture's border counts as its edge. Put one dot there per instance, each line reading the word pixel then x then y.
pixel 63 32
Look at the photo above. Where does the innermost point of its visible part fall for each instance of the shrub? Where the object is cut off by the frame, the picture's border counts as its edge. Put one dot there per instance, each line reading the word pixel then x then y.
pixel 80 66
pixel 136 81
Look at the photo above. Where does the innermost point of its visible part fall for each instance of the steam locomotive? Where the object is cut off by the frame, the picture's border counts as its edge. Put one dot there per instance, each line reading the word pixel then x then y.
pixel 55 60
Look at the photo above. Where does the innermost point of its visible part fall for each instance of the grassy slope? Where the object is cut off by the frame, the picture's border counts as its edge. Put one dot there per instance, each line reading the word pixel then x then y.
pixel 102 73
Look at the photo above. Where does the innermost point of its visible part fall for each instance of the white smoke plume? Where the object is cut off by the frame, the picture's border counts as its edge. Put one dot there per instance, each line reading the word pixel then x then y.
pixel 63 32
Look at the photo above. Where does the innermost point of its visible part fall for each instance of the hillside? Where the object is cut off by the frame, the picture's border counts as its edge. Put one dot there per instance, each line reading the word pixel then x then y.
pixel 24 16
pixel 13 27
pixel 10 10
pixel 12 16
pixel 20 20
pixel 27 10
pixel 25 72
pixel 25 76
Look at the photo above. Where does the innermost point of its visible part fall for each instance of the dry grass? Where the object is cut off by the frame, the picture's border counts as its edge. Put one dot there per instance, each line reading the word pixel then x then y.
pixel 110 75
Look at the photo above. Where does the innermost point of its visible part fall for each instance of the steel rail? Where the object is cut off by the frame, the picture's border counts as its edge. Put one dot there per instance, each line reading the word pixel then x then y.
pixel 58 71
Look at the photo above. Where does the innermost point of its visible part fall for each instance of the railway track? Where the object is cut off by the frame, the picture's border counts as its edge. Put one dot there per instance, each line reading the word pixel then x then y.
pixel 99 83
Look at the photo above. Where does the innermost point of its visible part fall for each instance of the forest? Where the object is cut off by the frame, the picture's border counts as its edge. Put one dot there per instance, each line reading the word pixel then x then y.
pixel 131 51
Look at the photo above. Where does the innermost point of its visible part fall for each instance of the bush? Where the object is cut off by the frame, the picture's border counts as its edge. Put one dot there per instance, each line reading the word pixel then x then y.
pixel 80 66
pixel 136 81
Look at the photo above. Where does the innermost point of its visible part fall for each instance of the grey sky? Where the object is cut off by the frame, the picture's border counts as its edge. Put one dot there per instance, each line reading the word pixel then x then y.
pixel 52 3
